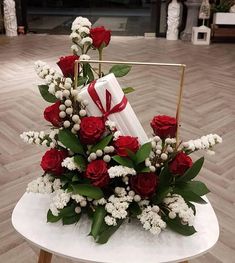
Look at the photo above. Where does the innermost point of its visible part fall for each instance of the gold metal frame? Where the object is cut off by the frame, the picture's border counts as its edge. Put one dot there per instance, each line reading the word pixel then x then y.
pixel 135 63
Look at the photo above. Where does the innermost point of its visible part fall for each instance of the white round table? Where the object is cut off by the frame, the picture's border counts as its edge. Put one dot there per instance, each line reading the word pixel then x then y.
pixel 131 243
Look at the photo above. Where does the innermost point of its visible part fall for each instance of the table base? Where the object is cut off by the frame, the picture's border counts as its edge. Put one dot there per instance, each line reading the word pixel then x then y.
pixel 44 256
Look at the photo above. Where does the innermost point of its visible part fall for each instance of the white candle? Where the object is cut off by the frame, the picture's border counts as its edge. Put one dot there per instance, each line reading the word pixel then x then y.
pixel 126 120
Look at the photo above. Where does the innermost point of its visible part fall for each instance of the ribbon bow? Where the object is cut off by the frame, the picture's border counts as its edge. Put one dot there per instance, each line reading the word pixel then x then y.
pixel 106 112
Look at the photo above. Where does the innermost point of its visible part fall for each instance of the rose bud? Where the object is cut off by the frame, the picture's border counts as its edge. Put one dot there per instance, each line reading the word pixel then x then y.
pixel 51 161
pixel 100 36
pixel 144 184
pixel 124 143
pixel 180 164
pixel 97 171
pixel 164 126
pixel 51 114
pixel 66 65
pixel 91 129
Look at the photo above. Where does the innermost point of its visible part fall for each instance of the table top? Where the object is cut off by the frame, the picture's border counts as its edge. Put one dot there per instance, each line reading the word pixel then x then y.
pixel 130 243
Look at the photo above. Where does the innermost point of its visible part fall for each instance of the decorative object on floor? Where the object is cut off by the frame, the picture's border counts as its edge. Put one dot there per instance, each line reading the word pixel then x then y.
pixel 173 18
pixel 204 12
pixel 10 18
pixel 192 19
pixel 201 35
pixel 93 168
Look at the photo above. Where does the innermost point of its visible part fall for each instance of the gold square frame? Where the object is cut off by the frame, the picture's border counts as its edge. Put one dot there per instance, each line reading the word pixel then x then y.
pixel 137 63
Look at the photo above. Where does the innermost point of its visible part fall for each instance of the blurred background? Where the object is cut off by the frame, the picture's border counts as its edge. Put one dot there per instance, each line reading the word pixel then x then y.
pixel 122 17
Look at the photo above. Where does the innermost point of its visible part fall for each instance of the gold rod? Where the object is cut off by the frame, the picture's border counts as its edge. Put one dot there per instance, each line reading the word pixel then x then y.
pixel 179 103
pixel 132 63
pixel 182 66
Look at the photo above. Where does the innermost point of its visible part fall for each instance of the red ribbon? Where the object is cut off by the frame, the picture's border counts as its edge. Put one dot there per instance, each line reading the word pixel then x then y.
pixel 106 112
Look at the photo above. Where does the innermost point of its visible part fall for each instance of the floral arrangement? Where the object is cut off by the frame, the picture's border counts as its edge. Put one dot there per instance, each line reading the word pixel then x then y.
pixel 93 168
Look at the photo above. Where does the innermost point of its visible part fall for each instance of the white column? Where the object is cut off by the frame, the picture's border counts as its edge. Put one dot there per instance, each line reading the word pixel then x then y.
pixel 192 18
pixel 10 22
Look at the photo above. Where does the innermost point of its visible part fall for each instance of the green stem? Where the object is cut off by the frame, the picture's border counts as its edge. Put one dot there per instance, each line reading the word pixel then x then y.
pixel 100 58
pixel 83 70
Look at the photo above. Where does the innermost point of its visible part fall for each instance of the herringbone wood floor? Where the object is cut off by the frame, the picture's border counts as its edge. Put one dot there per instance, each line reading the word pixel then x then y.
pixel 208 106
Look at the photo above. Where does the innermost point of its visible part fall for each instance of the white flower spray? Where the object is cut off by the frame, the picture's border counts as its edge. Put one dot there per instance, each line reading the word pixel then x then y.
pixel 44 185
pixel 117 206
pixel 80 37
pixel 41 138
pixel 151 220
pixel 178 207
pixel 206 142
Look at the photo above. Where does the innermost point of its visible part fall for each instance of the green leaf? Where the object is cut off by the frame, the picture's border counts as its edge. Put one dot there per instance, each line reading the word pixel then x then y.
pixel 197 187
pixel 165 177
pixel 88 72
pixel 102 144
pixel 71 219
pixel 131 154
pixel 135 209
pixel 164 187
pixel 98 219
pixel 68 187
pixel 161 194
pixel 69 174
pixel 143 152
pixel 120 70
pixel 81 81
pixel 123 161
pixel 88 190
pixel 192 172
pixel 175 225
pixel 189 195
pixel 47 96
pixel 70 141
pixel 80 161
pixel 108 232
pixel 67 211
pixel 75 178
pixel 145 170
pixel 51 218
pixel 128 90
pixel 88 210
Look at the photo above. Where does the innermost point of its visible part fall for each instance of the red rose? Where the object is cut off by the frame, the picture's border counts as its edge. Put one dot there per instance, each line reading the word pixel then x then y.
pixel 126 142
pixel 51 114
pixel 97 171
pixel 66 65
pixel 180 163
pixel 164 126
pixel 91 129
pixel 100 36
pixel 51 161
pixel 144 184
